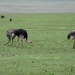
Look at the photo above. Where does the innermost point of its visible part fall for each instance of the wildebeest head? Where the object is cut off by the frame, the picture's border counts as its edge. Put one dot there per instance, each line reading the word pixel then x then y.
pixel 68 36
pixel 72 33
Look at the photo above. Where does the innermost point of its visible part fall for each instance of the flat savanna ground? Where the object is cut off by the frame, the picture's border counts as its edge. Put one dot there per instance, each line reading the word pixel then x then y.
pixel 50 53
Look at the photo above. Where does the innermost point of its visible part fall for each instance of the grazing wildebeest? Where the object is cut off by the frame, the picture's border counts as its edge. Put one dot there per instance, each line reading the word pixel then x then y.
pixel 71 33
pixel 10 35
pixel 2 16
pixel 10 19
pixel 20 33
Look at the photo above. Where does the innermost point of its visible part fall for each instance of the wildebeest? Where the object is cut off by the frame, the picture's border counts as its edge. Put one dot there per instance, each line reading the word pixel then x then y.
pixel 2 16
pixel 20 33
pixel 71 33
pixel 10 19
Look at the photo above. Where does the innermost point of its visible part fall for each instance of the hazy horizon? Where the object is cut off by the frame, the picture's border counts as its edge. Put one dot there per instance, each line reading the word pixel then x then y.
pixel 34 6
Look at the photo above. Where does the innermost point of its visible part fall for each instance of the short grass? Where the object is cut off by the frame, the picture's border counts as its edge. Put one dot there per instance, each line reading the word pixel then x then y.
pixel 50 53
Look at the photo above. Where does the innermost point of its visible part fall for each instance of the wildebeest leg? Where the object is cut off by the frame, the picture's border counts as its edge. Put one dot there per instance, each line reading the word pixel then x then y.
pixel 13 36
pixel 18 42
pixel 7 42
pixel 73 38
pixel 12 41
pixel 74 44
pixel 9 39
pixel 22 41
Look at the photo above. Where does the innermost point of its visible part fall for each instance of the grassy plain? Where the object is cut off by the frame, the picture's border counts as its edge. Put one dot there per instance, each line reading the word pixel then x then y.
pixel 49 54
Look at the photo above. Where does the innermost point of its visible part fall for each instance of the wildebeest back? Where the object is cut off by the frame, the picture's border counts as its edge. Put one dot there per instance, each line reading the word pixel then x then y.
pixel 20 32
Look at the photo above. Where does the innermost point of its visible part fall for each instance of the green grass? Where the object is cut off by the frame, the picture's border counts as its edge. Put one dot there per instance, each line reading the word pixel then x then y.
pixel 50 53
